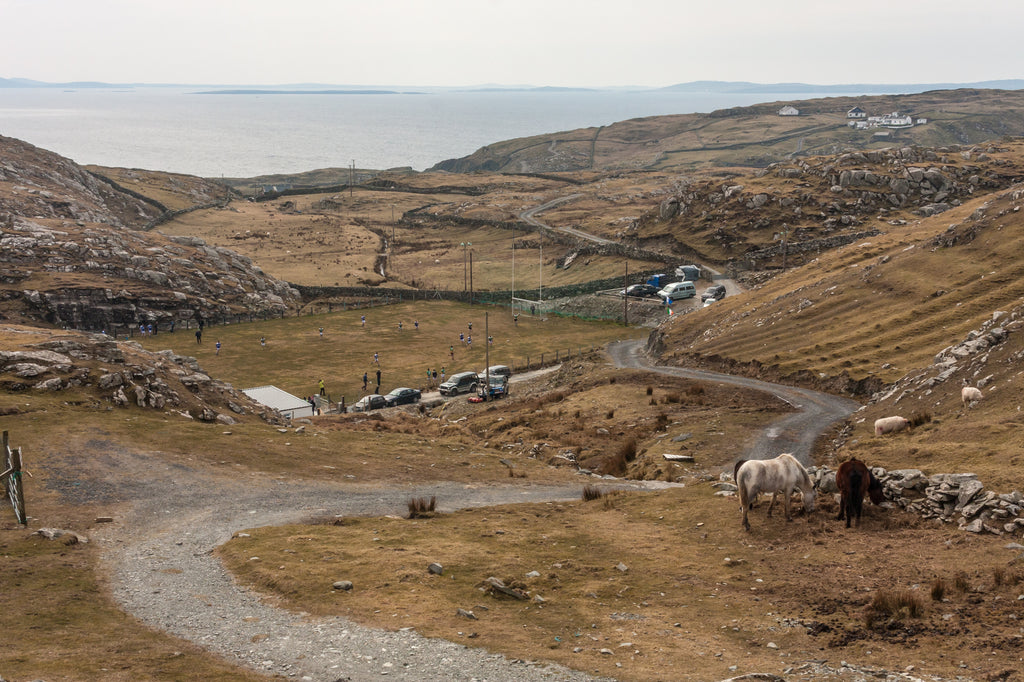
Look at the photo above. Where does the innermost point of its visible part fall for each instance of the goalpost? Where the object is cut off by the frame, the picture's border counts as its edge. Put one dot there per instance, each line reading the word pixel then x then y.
pixel 530 306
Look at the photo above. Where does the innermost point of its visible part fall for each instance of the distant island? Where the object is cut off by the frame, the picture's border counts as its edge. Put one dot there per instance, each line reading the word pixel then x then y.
pixel 716 87
pixel 305 92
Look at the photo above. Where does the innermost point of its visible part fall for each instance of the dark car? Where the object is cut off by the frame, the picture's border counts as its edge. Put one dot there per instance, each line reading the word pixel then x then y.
pixel 495 371
pixel 402 396
pixel 715 292
pixel 463 382
pixel 640 291
pixel 374 401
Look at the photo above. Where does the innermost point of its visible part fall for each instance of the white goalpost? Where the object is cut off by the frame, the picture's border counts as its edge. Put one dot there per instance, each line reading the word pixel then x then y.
pixel 528 306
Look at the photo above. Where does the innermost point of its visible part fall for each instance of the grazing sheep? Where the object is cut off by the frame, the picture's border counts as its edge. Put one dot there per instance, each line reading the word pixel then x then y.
pixel 969 394
pixel 890 425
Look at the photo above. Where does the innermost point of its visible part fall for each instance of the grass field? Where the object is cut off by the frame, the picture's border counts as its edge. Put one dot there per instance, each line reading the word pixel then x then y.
pixel 296 356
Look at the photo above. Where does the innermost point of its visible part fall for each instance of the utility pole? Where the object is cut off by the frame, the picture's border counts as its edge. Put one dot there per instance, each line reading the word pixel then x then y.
pixel 540 269
pixel 625 298
pixel 785 244
pixel 351 177
pixel 487 359
pixel 471 276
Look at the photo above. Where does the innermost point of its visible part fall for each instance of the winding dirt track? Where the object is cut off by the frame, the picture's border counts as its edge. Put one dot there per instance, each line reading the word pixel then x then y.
pixel 163 572
pixel 795 433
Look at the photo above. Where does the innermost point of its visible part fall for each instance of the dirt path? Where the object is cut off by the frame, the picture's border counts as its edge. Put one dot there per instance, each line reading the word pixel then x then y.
pixel 795 433
pixel 163 572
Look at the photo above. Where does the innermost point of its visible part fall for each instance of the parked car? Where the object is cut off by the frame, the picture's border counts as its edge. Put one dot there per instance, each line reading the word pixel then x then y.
pixel 678 290
pixel 498 387
pixel 688 273
pixel 715 292
pixel 402 396
pixel 640 291
pixel 495 371
pixel 374 401
pixel 463 382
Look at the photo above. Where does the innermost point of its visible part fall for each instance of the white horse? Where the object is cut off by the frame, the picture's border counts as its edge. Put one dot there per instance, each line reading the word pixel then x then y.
pixel 783 474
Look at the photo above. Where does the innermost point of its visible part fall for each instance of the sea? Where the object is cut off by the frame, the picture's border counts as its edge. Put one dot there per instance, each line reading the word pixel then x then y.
pixel 191 131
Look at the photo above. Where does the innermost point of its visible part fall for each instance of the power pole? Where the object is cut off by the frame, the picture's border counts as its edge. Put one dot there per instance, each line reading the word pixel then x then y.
pixel 487 359
pixel 625 298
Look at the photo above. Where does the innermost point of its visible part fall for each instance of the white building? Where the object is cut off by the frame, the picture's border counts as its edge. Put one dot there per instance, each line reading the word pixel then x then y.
pixel 789 110
pixel 856 112
pixel 290 406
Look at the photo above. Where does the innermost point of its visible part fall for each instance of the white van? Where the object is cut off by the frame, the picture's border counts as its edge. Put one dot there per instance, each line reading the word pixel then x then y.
pixel 678 290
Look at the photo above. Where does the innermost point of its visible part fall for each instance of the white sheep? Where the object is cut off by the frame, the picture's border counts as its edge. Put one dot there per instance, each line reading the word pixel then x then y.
pixel 890 425
pixel 970 394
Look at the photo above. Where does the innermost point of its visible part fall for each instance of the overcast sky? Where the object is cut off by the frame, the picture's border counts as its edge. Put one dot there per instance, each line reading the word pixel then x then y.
pixel 534 42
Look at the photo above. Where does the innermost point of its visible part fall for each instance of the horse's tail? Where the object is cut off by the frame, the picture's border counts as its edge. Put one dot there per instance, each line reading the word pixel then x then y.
pixel 855 500
pixel 736 470
pixel 741 489
pixel 856 482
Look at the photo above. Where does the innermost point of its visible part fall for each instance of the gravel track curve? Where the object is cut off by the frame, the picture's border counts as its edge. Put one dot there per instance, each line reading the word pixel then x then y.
pixel 160 554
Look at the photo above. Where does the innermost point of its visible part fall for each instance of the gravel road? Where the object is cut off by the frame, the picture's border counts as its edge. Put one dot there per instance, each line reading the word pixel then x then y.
pixel 794 433
pixel 159 555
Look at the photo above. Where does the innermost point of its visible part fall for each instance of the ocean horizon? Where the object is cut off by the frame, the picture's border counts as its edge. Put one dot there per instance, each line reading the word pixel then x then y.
pixel 240 135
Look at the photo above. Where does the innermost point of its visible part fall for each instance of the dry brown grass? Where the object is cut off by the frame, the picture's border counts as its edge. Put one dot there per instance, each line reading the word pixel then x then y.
pixel 695 585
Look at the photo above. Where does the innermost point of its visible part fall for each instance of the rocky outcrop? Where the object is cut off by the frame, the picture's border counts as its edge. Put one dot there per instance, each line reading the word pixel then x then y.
pixel 123 374
pixel 819 203
pixel 73 253
pixel 102 278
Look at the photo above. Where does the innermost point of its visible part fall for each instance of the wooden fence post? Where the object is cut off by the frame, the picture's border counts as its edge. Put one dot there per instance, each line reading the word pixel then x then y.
pixel 11 475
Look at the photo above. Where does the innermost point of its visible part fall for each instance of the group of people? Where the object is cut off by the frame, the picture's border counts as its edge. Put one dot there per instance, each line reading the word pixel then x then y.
pixel 432 376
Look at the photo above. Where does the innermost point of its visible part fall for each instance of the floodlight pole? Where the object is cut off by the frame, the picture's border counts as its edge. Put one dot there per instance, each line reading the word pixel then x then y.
pixel 487 359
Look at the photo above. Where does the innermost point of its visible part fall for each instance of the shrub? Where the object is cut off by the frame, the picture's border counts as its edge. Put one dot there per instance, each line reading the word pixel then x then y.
pixel 650 390
pixel 592 493
pixel 962 582
pixel 610 414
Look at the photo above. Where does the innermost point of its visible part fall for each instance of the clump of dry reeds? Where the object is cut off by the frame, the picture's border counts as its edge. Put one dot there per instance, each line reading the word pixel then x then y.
pixel 888 605
pixel 919 417
pixel 421 506
pixel 591 493
pixel 938 589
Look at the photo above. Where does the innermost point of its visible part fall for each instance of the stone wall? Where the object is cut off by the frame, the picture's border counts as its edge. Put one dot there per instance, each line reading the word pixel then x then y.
pixel 949 498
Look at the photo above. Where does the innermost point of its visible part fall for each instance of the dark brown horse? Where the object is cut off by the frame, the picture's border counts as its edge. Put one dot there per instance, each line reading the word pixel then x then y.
pixel 855 480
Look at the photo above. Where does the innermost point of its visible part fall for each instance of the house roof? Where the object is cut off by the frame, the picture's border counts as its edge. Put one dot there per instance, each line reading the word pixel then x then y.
pixel 274 397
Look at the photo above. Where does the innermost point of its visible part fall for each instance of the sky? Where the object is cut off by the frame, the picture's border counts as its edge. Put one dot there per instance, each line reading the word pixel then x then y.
pixel 559 43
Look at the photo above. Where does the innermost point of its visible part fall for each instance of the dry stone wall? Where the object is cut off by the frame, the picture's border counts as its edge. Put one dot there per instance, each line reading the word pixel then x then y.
pixel 951 498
